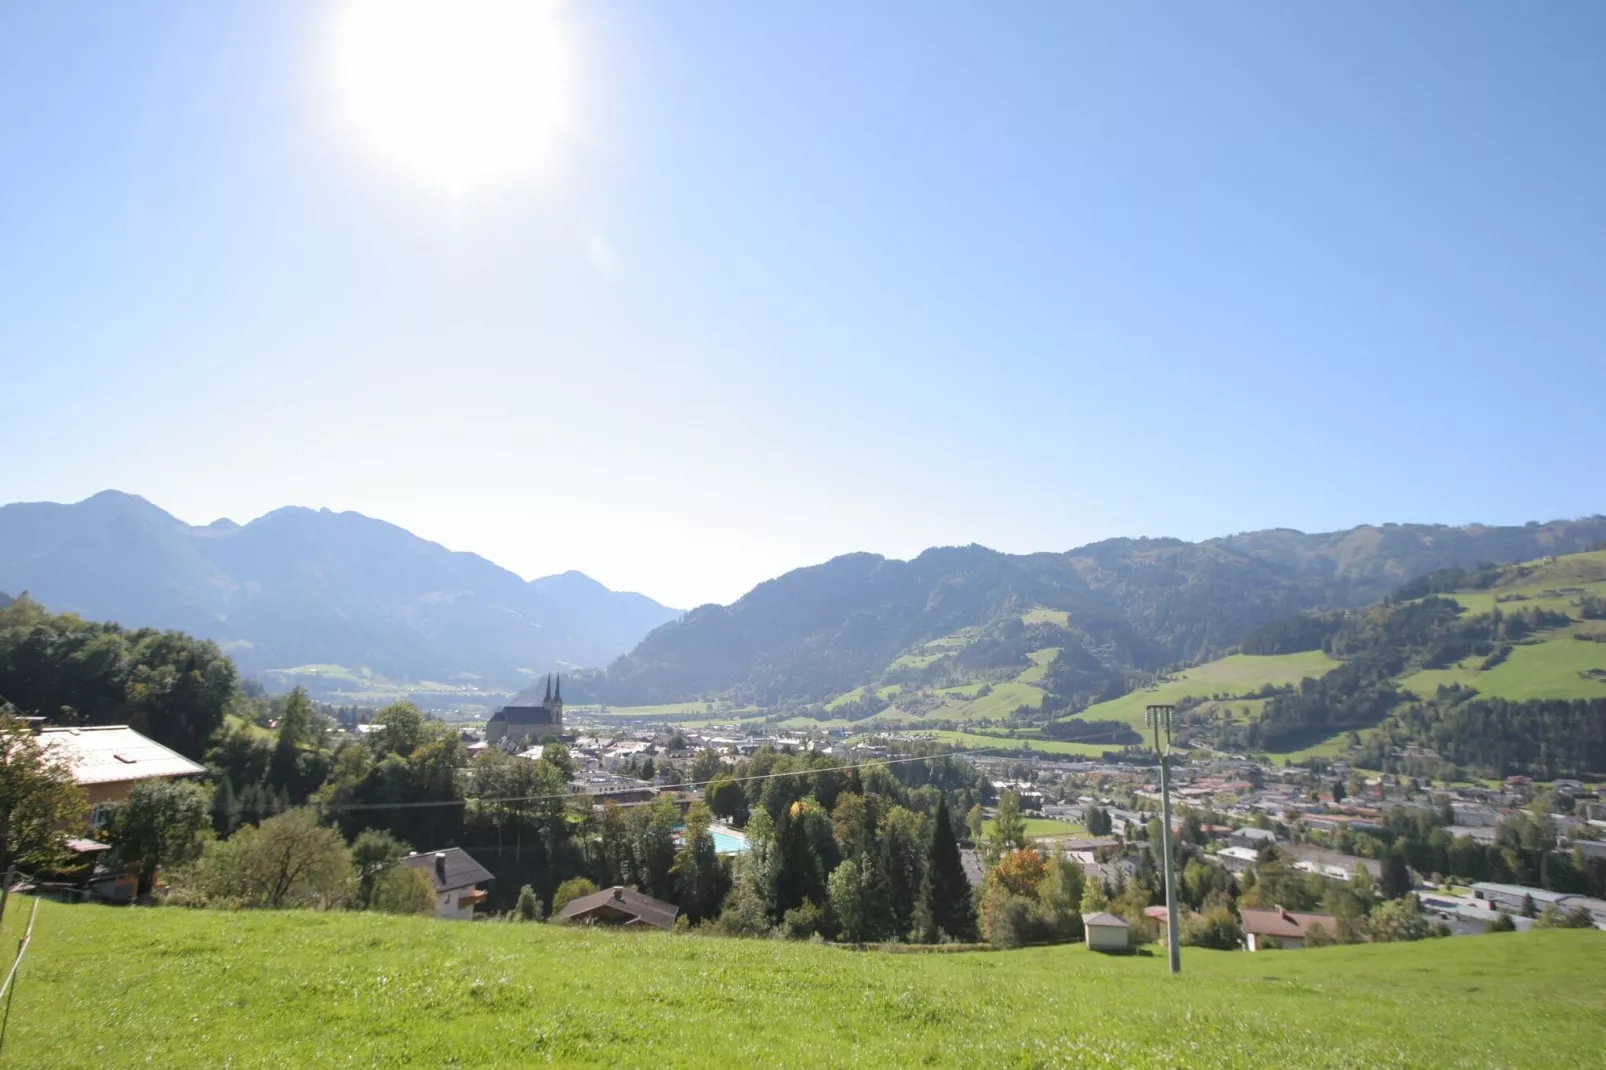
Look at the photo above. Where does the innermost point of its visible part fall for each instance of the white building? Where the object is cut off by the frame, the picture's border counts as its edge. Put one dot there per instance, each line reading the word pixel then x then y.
pixel 457 878
pixel 1107 932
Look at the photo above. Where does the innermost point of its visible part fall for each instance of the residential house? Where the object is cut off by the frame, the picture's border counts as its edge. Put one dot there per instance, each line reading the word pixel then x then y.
pixel 108 760
pixel 1252 838
pixel 1237 859
pixel 457 879
pixel 1281 928
pixel 1107 932
pixel 1157 916
pixel 624 907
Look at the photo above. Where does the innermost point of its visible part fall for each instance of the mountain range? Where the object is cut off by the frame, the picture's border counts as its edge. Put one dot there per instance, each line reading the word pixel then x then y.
pixel 313 587
pixel 1107 614
pixel 301 587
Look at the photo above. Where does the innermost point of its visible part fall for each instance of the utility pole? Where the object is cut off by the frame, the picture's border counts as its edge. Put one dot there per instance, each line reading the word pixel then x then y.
pixel 1160 719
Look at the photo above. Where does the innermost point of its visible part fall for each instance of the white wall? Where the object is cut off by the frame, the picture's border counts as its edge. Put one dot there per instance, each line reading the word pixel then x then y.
pixel 1106 938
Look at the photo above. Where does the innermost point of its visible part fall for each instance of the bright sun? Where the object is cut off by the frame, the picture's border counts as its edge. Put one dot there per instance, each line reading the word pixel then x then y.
pixel 463 93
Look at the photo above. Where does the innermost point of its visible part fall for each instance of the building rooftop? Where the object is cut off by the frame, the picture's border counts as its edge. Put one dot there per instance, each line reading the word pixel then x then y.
pixel 1102 918
pixel 452 868
pixel 624 903
pixel 107 754
pixel 1283 923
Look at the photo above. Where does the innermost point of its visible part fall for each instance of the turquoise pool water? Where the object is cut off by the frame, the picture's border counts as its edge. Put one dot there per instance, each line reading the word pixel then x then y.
pixel 728 843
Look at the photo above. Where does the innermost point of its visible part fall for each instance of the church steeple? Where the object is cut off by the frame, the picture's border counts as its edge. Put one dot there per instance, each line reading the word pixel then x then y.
pixel 557 691
pixel 548 696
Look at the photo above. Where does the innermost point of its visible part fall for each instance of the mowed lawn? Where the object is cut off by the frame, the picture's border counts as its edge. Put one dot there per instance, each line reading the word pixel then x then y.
pixel 1038 827
pixel 168 987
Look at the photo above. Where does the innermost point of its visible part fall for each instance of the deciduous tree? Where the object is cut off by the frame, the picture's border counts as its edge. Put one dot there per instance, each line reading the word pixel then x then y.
pixel 161 824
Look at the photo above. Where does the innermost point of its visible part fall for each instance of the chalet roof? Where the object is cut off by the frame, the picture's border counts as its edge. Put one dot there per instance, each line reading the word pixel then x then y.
pixel 107 754
pixel 1283 923
pixel 1101 918
pixel 452 868
pixel 524 715
pixel 626 903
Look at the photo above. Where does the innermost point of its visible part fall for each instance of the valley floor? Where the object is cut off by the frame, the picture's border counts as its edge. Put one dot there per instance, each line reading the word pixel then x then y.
pixel 170 987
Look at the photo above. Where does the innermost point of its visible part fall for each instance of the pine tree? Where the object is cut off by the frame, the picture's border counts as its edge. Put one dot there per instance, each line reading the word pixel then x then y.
pixel 225 808
pixel 944 906
pixel 1396 875
pixel 284 770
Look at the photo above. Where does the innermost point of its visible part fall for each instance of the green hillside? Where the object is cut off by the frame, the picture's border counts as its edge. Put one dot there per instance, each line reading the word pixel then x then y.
pixel 1234 677
pixel 1494 670
pixel 1117 610
pixel 1553 664
pixel 170 987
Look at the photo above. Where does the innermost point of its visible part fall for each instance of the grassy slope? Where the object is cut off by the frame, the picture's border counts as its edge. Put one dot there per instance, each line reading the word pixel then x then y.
pixel 1235 675
pixel 106 987
pixel 1550 666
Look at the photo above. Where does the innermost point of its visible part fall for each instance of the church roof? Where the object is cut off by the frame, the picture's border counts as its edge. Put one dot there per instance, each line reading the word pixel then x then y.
pixel 524 715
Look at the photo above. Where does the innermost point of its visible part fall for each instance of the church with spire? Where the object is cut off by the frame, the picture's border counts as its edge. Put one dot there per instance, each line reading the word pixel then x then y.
pixel 515 728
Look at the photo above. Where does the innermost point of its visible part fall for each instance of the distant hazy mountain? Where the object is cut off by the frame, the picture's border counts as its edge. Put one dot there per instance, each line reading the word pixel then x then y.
pixel 300 586
pixel 1133 605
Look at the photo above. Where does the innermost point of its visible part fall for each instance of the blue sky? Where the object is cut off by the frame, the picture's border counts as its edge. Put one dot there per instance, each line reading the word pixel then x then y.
pixel 794 280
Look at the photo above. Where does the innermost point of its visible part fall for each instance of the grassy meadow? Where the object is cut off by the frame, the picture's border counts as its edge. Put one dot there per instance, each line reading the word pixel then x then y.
pixel 1039 827
pixel 170 987
pixel 1239 674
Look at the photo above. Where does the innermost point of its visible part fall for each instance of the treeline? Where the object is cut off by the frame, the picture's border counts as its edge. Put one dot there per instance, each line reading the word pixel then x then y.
pixel 1547 738
pixel 1292 636
pixel 1479 577
pixel 169 686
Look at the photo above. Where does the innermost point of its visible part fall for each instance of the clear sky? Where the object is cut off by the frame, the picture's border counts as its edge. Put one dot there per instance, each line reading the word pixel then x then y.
pixel 684 295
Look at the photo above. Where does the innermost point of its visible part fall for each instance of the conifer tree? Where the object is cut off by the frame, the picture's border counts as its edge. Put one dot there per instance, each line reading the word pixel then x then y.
pixel 944 906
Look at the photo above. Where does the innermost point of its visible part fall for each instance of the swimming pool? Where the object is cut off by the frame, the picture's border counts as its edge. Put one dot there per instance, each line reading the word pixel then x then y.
pixel 727 841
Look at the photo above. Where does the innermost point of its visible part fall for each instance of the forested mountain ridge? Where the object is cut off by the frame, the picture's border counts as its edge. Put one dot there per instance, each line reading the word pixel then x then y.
pixel 300 586
pixel 1117 609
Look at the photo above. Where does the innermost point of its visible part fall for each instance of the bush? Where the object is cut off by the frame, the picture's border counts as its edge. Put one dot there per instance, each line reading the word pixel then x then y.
pixel 403 890
pixel 1216 928
pixel 804 921
pixel 528 906
pixel 569 891
pixel 1397 921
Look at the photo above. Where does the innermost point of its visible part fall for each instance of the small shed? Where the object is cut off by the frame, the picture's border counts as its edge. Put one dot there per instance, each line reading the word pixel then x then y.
pixel 1107 932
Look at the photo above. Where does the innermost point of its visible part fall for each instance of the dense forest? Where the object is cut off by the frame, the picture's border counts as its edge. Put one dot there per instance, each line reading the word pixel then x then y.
pixel 168 685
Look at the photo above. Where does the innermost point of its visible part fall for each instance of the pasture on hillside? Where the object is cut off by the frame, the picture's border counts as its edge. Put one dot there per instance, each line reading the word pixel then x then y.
pixel 1239 674
pixel 172 987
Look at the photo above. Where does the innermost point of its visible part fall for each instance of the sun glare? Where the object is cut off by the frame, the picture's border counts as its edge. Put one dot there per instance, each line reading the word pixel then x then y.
pixel 463 93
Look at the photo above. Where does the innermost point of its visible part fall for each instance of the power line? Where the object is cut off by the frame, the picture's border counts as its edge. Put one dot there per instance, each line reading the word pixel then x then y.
pixel 689 786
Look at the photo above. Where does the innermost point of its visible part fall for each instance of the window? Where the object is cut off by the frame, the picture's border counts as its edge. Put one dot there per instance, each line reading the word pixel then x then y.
pixel 101 814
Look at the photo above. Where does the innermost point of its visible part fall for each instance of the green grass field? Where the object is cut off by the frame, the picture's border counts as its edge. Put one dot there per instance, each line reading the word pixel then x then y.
pixel 1235 675
pixel 1037 827
pixel 1550 668
pixel 977 741
pixel 1545 584
pixel 1039 615
pixel 106 987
